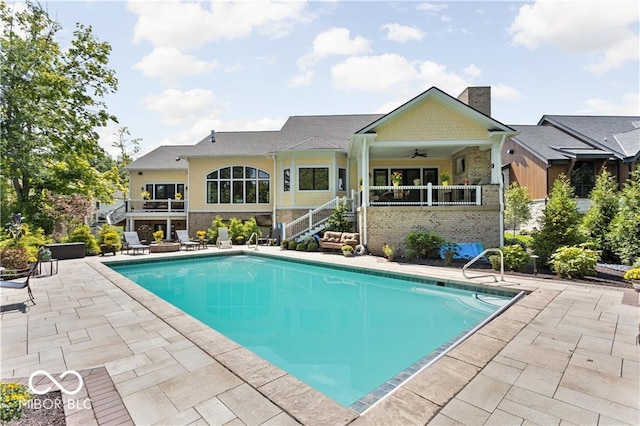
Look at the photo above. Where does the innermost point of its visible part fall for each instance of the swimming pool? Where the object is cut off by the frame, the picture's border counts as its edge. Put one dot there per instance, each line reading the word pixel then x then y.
pixel 351 335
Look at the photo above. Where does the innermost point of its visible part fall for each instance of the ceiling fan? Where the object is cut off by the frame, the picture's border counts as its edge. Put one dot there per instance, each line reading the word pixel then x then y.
pixel 416 153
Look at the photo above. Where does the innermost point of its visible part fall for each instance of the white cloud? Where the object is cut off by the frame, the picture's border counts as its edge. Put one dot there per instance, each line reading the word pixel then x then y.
pixel 178 107
pixel 392 72
pixel 336 41
pixel 203 126
pixel 628 105
pixel 402 33
pixel 169 64
pixel 472 71
pixel 502 91
pixel 304 79
pixel 608 29
pixel 189 25
pixel 430 7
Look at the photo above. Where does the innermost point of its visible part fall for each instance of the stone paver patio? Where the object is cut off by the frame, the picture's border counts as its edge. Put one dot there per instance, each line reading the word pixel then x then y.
pixel 564 354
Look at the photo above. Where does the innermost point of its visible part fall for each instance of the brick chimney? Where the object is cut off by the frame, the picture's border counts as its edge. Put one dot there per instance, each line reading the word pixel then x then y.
pixel 478 98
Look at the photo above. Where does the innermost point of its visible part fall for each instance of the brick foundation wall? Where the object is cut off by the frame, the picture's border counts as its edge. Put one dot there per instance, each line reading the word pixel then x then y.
pixel 456 223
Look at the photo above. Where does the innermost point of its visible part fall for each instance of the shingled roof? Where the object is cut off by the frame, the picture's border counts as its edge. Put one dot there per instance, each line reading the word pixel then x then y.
pixel 549 143
pixel 166 157
pixel 618 134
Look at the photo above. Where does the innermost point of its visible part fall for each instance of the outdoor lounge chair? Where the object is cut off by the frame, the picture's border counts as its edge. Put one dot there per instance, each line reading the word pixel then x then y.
pixel 185 241
pixel 132 242
pixel 223 240
pixel 15 278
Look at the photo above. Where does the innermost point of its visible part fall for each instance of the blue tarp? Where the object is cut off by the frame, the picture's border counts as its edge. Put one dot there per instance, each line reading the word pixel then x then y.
pixel 466 251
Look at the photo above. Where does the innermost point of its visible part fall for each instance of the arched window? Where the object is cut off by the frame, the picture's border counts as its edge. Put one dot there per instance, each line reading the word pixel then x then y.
pixel 238 185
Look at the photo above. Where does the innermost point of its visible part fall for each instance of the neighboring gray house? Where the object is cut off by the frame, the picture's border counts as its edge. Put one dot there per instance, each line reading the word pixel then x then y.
pixel 577 146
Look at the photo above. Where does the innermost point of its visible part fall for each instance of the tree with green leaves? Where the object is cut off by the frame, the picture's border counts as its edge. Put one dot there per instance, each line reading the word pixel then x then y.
pixel 338 221
pixel 127 149
pixel 51 102
pixel 560 222
pixel 596 223
pixel 625 227
pixel 517 205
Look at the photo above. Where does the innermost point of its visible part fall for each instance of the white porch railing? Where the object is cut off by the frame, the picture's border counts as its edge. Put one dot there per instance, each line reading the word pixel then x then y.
pixel 157 206
pixel 313 219
pixel 426 195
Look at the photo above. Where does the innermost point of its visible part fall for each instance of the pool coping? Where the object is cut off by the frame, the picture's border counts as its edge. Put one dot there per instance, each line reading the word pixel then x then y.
pixel 233 356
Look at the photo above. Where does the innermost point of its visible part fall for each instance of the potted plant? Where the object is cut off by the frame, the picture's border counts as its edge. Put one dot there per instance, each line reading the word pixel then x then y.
pixel 201 234
pixel 633 275
pixel 178 196
pixel 449 250
pixel 158 235
pixel 347 250
pixel 146 195
pixel 388 252
pixel 396 178
pixel 417 182
pixel 444 178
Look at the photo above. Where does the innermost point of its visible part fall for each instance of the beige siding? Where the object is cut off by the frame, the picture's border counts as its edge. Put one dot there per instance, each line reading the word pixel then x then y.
pixel 430 121
pixel 139 180
pixel 201 167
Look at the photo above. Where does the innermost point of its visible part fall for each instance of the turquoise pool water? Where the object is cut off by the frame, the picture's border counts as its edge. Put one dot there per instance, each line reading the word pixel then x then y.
pixel 347 334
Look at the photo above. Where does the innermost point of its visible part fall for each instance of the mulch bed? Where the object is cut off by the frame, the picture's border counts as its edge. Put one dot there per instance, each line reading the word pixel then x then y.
pixel 44 410
pixel 607 276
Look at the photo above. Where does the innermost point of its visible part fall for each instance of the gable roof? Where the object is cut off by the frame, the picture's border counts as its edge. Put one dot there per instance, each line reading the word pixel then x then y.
pixel 549 143
pixel 166 157
pixel 447 100
pixel 299 133
pixel 617 134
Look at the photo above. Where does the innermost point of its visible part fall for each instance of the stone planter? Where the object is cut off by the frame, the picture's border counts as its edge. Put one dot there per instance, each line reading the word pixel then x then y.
pixel 164 247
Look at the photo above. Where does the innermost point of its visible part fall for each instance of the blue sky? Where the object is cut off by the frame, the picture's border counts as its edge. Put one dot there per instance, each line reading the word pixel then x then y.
pixel 185 68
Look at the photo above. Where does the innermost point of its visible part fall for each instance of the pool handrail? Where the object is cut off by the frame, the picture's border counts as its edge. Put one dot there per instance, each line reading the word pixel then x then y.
pixel 249 241
pixel 464 268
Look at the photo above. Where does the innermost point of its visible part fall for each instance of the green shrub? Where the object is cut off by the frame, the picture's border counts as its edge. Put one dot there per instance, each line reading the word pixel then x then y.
pixel 424 244
pixel 109 232
pixel 516 257
pixel 559 223
pixel 236 230
pixel 284 244
pixel 625 226
pixel 388 251
pixel 312 246
pixel 494 259
pixel 31 241
pixel 13 398
pixel 14 258
pixel 574 261
pixel 83 234
pixel 338 220
pixel 249 227
pixel 292 245
pixel 524 241
pixel 301 246
pixel 212 233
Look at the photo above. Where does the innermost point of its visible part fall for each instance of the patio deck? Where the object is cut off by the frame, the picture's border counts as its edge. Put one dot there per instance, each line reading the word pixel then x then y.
pixel 565 353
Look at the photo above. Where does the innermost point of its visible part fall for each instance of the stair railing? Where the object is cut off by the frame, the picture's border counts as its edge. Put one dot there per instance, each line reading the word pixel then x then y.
pixel 312 219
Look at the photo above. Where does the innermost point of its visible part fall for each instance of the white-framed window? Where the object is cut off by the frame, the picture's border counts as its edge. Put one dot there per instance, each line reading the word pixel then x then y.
pixel 286 180
pixel 238 185
pixel 164 191
pixel 313 178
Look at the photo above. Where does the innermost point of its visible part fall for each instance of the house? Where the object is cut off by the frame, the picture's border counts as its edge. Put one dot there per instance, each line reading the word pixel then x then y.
pixel 576 146
pixel 295 176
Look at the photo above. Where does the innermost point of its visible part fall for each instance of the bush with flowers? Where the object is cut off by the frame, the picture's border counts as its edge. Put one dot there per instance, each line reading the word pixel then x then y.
pixel 13 398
